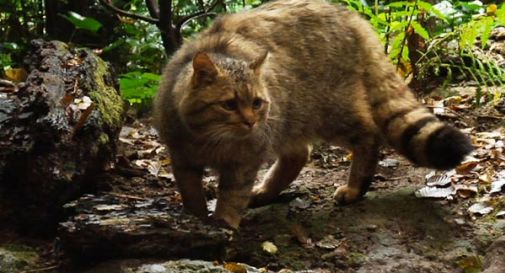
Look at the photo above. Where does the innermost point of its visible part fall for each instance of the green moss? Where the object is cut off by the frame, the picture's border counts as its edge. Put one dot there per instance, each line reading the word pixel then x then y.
pixel 109 102
pixel 103 139
pixel 15 258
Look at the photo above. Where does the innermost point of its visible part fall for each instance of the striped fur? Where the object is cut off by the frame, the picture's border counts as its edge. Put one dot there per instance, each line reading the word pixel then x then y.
pixel 270 82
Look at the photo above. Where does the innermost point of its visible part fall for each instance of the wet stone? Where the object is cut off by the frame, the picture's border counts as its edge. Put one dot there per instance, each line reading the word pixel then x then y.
pixel 108 226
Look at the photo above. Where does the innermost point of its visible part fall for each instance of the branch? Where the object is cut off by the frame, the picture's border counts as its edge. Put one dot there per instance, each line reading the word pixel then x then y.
pixel 119 11
pixel 203 13
pixel 197 15
pixel 154 10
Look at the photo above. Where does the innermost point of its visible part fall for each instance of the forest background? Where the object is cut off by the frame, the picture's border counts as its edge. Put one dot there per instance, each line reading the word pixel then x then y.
pixel 433 43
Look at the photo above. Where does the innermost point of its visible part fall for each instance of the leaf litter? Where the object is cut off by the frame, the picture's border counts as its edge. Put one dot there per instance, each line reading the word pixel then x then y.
pixel 481 174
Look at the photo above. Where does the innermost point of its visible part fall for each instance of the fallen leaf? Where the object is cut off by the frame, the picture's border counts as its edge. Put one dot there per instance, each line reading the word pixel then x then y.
pixel 16 74
pixel 328 242
pixel 499 184
pixel 103 207
pixel 434 192
pixel 439 180
pixel 235 268
pixel 464 191
pixel 467 166
pixel 389 163
pixel 500 214
pixel 154 167
pixel 480 209
pixel 299 203
pixel 269 247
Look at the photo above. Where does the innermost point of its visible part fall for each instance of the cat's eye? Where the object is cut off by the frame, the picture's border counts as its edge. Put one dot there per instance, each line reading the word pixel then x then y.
pixel 257 103
pixel 229 105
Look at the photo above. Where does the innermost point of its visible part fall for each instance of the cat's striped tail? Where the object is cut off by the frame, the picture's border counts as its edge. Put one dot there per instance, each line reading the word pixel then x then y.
pixel 407 125
pixel 417 134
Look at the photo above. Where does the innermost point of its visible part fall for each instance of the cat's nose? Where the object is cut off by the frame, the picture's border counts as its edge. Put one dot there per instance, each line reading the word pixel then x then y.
pixel 250 123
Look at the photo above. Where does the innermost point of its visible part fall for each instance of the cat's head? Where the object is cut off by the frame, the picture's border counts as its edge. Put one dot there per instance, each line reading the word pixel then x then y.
pixel 224 97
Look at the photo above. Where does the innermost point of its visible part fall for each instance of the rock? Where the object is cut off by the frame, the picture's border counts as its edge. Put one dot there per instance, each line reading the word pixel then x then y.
pixel 109 226
pixel 188 266
pixel 494 261
pixel 176 266
pixel 15 258
pixel 56 132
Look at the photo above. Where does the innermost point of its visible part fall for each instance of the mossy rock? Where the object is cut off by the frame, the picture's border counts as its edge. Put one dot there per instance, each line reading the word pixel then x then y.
pixel 15 258
pixel 60 131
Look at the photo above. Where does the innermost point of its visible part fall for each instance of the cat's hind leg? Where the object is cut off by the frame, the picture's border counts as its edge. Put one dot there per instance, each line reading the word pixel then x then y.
pixel 280 175
pixel 365 157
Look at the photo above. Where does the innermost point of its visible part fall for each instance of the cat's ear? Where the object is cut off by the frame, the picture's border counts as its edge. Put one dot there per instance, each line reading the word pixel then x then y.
pixel 204 70
pixel 256 64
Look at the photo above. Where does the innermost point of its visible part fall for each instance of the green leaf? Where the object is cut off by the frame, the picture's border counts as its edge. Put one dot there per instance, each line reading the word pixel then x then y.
pixel 396 25
pixel 419 29
pixel 137 87
pixel 469 33
pixel 432 10
pixel 82 22
pixel 399 4
pixel 500 15
pixel 396 45
pixel 486 28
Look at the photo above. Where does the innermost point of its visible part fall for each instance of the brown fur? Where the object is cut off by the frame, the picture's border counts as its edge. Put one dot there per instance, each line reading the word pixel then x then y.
pixel 320 74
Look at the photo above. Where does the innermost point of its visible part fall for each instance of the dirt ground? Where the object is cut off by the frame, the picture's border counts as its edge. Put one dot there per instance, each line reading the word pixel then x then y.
pixel 390 230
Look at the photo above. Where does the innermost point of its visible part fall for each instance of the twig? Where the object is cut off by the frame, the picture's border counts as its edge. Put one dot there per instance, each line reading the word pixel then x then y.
pixel 127 196
pixel 41 269
pixel 406 35
pixel 7 82
pixel 117 10
pixel 196 17
pixel 203 13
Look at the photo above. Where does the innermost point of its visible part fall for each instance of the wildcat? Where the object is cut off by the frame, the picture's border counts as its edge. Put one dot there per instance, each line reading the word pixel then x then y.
pixel 272 81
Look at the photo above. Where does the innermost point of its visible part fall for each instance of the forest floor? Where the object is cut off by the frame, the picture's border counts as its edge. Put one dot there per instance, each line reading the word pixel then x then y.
pixel 402 225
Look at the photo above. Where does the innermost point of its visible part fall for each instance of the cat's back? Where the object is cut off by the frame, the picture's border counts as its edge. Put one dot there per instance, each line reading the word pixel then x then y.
pixel 284 18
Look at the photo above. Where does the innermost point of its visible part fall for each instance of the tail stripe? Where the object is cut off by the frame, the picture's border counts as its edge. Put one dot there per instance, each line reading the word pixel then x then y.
pixel 399 114
pixel 410 132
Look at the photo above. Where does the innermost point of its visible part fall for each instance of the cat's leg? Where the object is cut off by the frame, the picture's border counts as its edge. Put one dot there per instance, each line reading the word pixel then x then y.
pixel 365 157
pixel 281 174
pixel 189 182
pixel 235 186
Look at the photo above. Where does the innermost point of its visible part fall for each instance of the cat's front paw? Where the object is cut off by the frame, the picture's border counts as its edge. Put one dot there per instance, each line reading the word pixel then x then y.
pixel 346 195
pixel 228 215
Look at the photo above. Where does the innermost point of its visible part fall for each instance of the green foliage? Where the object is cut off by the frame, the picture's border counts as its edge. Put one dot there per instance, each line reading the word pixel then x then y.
pixel 450 37
pixel 453 54
pixel 82 22
pixel 138 87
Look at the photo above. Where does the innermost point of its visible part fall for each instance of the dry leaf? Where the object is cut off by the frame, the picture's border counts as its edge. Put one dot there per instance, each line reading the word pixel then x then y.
pixel 499 184
pixel 235 268
pixel 439 180
pixel 389 162
pixel 480 209
pixel 16 74
pixel 434 192
pixel 269 247
pixel 467 166
pixel 328 242
pixel 466 191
